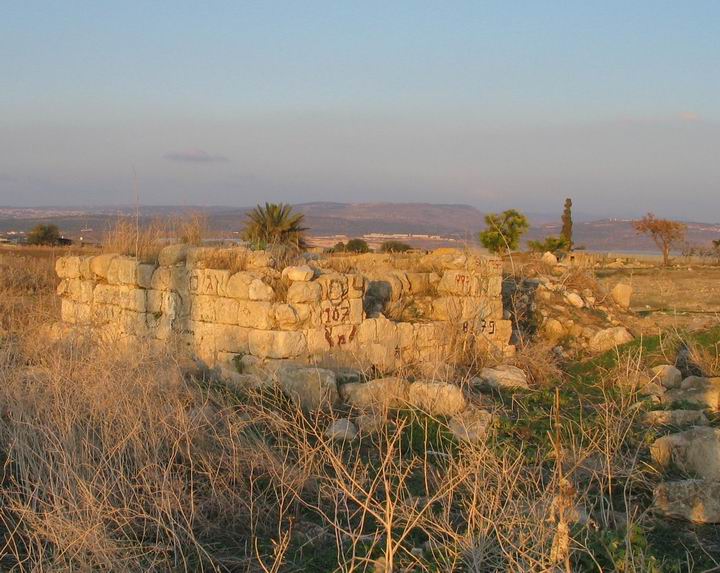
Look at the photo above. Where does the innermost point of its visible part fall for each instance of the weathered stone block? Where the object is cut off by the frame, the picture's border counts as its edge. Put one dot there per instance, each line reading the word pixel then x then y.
pixel 309 292
pixel 301 273
pixel 231 338
pixel 436 398
pixel 75 312
pixel 238 285
pixel 208 282
pixel 295 316
pixel 122 271
pixel 125 297
pixel 277 344
pixel 77 290
pixel 100 265
pixel 310 388
pixel 378 394
pixel 258 290
pixel 68 267
pixel 255 314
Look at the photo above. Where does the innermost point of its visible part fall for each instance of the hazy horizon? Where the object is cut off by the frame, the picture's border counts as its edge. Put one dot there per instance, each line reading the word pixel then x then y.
pixel 494 106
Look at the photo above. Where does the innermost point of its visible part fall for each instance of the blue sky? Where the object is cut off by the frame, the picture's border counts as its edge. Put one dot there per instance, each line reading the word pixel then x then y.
pixel 495 104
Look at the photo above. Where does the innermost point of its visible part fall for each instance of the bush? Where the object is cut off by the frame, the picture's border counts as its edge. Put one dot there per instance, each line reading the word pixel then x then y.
pixel 357 246
pixel 550 243
pixel 44 235
pixel 503 230
pixel 394 247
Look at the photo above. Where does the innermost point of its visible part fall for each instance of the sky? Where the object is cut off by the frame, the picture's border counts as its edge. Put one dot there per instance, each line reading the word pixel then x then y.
pixel 494 104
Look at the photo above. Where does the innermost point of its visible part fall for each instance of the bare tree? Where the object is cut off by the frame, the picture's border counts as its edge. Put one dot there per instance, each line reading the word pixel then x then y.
pixel 663 232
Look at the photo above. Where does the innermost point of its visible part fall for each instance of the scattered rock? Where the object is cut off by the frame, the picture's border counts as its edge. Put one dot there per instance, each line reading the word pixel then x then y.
pixel 697 390
pixel 381 393
pixel 695 500
pixel 609 338
pixel 504 376
pixel 341 430
pixel 549 259
pixel 621 294
pixel 436 398
pixel 471 425
pixel 310 388
pixel 675 418
pixel 553 329
pixel 696 450
pixel 575 299
pixel 667 375
pixel 302 273
pixel 370 423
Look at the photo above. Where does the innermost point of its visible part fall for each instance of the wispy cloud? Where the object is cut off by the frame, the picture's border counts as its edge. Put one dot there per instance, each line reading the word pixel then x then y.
pixel 689 116
pixel 194 156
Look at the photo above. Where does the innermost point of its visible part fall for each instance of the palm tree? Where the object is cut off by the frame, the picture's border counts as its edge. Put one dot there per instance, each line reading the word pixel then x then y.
pixel 275 224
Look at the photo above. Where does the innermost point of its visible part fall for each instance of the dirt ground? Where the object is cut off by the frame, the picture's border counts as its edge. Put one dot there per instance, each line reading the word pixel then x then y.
pixel 687 297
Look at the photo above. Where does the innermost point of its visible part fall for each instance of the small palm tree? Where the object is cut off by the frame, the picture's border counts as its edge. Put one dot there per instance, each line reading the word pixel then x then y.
pixel 275 224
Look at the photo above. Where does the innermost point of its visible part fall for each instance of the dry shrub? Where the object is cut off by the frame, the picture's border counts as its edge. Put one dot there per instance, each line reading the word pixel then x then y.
pixel 580 279
pixel 539 362
pixel 192 229
pixel 234 259
pixel 126 237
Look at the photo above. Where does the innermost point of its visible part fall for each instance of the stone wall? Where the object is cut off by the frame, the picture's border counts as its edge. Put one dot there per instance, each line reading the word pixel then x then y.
pixel 442 306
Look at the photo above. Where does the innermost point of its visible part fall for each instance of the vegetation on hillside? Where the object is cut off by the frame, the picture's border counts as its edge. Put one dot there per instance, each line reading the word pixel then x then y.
pixel 275 225
pixel 503 231
pixel 664 233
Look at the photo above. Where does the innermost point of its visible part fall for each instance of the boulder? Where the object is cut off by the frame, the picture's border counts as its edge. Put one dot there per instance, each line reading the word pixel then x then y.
pixel 504 376
pixel 436 398
pixel 100 265
pixel 299 292
pixel 667 375
pixel 696 451
pixel 471 425
pixel 694 500
pixel 621 294
pixel 549 259
pixel 301 273
pixel 609 338
pixel 696 390
pixel 258 290
pixel 553 329
pixel 310 388
pixel 68 267
pixel 675 418
pixel 575 299
pixel 381 393
pixel 341 430
pixel 370 423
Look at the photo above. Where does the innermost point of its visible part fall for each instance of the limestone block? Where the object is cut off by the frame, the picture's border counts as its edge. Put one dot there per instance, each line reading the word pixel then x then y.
pixel 310 388
pixel 704 392
pixel 77 290
pixel 436 398
pixel 173 255
pixel 301 273
pixel 100 265
pixel 696 451
pixel 144 273
pixel 378 394
pixel 471 425
pixel 277 343
pixel 419 283
pixel 230 338
pixel 667 375
pixel 125 297
pixel 68 267
pixel 300 292
pixel 295 316
pixel 460 283
pixel 258 290
pixel 255 314
pixel 122 271
pixel 621 294
pixel 170 278
pixel 85 270
pixel 609 338
pixel 73 312
pixel 341 430
pixel 238 285
pixel 694 500
pixel 208 282
pixel 504 376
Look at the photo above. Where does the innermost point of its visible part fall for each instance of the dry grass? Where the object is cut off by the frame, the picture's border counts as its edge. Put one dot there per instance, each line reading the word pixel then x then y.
pixel 125 237
pixel 131 461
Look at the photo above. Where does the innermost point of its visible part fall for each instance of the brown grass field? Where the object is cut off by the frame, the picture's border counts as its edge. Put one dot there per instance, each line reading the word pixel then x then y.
pixel 146 462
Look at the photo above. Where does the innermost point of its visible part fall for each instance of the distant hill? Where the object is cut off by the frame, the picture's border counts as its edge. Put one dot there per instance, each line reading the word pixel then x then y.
pixel 452 222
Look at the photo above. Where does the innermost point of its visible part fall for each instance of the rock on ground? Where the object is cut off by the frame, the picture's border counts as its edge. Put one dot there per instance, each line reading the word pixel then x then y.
pixel 696 451
pixel 609 338
pixel 471 425
pixel 575 299
pixel 436 398
pixel 695 500
pixel 309 388
pixel 675 418
pixel 370 423
pixel 667 375
pixel 341 430
pixel 622 294
pixel 504 376
pixel 381 393
pixel 549 259
pixel 697 390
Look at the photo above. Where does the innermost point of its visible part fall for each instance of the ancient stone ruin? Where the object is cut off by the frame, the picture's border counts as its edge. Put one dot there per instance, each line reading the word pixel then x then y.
pixel 385 311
